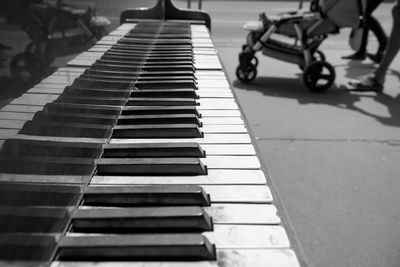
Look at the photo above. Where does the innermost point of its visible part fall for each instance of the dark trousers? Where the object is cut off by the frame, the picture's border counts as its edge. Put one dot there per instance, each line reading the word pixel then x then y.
pixel 372 24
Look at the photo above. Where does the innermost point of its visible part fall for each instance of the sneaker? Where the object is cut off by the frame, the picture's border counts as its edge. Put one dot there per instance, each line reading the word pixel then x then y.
pixel 368 83
pixel 356 56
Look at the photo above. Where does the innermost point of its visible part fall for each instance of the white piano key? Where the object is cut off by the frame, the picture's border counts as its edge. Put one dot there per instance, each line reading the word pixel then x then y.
pixel 67 78
pixel 248 236
pixel 53 91
pixel 231 162
pixel 239 193
pixel 226 258
pixel 220 113
pixel 208 139
pixel 21 108
pixel 223 121
pixel 258 214
pixel 214 177
pixel 255 194
pixel 237 149
pixel 215 128
pixel 8 133
pixel 34 99
pixel 31 178
pixel 51 85
pixel 240 236
pixel 62 139
pixel 214 103
pixel 11 124
pixel 87 62
pixel 243 214
pixel 5 115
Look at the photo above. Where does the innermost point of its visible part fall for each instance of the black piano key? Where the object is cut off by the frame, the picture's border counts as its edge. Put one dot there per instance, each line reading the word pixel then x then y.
pixel 46 165
pixel 103 101
pixel 90 92
pixel 98 72
pixel 55 107
pixel 66 129
pixel 118 50
pixel 134 58
pixel 14 147
pixel 75 117
pixel 127 247
pixel 157 131
pixel 160 36
pixel 171 78
pixel 149 82
pixel 153 110
pixel 153 150
pixel 129 67
pixel 179 93
pixel 143 84
pixel 141 220
pixel 172 43
pixel 149 56
pixel 26 194
pixel 98 83
pixel 167 73
pixel 144 61
pixel 147 195
pixel 33 219
pixel 27 247
pixel 186 58
pixel 150 166
pixel 116 68
pixel 161 101
pixel 174 65
pixel 159 119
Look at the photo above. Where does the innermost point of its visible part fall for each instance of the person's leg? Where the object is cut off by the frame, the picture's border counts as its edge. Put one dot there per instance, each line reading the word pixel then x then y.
pixel 375 80
pixel 393 45
pixel 376 28
pixel 361 53
pixel 378 31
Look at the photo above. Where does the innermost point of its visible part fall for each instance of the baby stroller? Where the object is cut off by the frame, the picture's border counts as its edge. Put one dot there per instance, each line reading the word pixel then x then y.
pixel 305 30
pixel 55 30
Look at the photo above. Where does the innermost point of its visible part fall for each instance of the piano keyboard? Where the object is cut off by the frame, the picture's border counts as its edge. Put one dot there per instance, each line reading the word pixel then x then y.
pixel 136 154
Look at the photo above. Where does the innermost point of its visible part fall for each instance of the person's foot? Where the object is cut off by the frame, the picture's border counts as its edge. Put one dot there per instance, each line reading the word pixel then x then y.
pixel 356 56
pixel 377 58
pixel 368 83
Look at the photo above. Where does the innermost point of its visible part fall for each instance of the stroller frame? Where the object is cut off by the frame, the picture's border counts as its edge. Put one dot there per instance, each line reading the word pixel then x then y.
pixel 318 75
pixel 54 31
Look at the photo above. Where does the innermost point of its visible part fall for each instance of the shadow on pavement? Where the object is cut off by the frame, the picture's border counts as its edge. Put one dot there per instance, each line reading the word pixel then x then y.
pixel 339 97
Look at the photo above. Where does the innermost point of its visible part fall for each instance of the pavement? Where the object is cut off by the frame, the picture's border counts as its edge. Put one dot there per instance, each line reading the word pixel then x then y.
pixel 332 158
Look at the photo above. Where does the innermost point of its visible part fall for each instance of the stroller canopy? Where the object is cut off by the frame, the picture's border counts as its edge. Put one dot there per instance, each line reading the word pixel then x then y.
pixel 344 13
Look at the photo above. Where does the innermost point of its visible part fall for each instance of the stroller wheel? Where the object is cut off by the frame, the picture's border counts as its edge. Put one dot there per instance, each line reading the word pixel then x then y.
pixel 24 67
pixel 319 76
pixel 254 61
pixel 248 74
pixel 319 56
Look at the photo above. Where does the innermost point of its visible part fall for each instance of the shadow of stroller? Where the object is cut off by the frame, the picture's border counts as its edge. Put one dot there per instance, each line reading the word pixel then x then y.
pixel 339 97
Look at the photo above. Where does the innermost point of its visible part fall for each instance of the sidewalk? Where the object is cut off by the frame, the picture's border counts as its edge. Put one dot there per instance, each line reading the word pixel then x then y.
pixel 333 157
